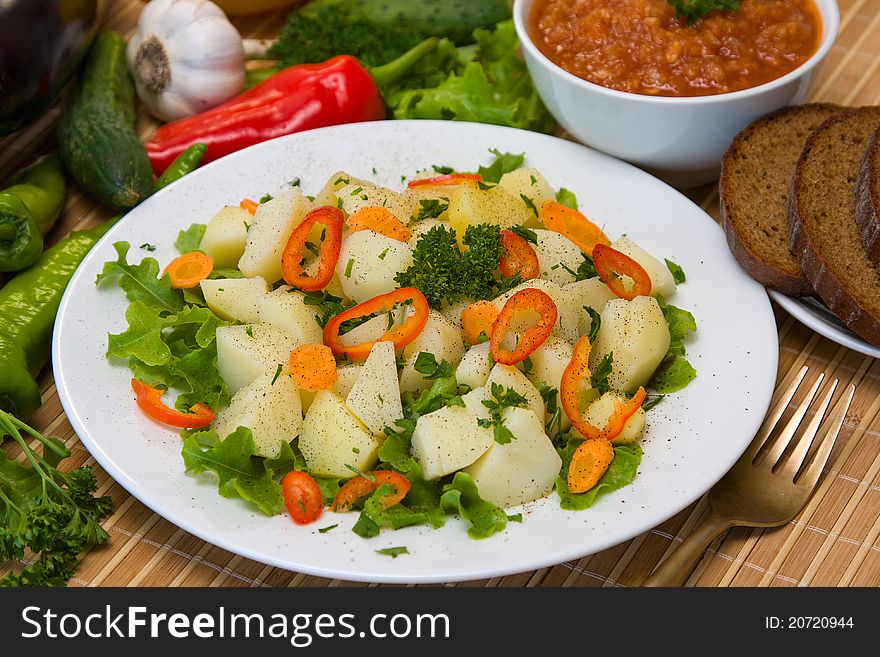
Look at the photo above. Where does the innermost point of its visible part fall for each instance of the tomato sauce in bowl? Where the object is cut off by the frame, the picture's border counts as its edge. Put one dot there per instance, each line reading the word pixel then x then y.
pixel 638 46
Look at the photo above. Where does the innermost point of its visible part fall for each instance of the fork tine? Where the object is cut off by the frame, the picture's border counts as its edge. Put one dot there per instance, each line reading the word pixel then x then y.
pixel 774 415
pixel 796 458
pixel 810 476
pixel 785 435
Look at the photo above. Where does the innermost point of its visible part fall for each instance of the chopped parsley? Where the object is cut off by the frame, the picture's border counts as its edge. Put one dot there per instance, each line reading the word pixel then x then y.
pixel 676 271
pixel 393 552
pixel 348 267
pixel 294 182
pixel 277 374
pixel 313 248
pixel 383 254
pixel 265 198
pixel 366 475
pixel 595 323
pixel 426 364
pixel 530 203
pixel 327 304
pixel 551 403
pixel 567 198
pixel 586 269
pixel 651 401
pixel 148 247
pixel 341 181
pixel 599 378
pixel 356 191
pixel 503 163
pixel 515 517
pixel 249 330
pixel 431 208
pixel 324 530
pixel 501 398
pixel 442 170
pixel 526 233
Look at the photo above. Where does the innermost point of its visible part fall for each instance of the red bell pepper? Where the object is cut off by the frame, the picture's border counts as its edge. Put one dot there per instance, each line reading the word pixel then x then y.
pixel 297 98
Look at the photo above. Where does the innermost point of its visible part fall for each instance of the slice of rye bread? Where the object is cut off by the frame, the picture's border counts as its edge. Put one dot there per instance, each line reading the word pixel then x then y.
pixel 753 191
pixel 868 198
pixel 822 220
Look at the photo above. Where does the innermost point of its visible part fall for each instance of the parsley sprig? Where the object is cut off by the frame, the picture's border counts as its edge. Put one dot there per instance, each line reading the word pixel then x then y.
pixel 692 10
pixel 501 398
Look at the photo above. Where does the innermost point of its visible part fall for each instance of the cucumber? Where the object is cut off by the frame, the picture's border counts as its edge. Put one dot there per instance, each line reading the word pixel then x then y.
pixel 96 138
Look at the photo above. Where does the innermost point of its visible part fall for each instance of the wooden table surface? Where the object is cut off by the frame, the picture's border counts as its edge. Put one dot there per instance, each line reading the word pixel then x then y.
pixel 835 541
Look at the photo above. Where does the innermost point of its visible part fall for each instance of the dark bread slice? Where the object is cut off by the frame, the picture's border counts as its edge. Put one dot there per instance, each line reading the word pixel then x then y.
pixel 868 198
pixel 821 215
pixel 753 191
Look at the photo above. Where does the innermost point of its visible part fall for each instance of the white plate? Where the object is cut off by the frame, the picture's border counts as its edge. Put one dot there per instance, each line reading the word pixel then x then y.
pixel 811 312
pixel 693 438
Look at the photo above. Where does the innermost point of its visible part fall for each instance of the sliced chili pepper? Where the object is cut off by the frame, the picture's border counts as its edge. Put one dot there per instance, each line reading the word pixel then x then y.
pixel 291 269
pixel 578 370
pixel 612 266
pixel 150 401
pixel 573 225
pixel 401 335
pixel 477 319
pixel 356 488
pixel 529 299
pixel 519 257
pixel 446 179
pixel 589 462
pixel 379 220
pixel 302 497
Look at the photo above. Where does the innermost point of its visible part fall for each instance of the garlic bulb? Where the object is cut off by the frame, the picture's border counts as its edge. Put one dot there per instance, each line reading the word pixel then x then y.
pixel 185 57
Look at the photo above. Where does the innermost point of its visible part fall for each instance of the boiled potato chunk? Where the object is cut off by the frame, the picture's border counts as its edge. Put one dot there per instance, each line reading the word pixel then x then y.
pixel 599 412
pixel 638 336
pixel 469 206
pixel 246 351
pixel 346 377
pixel 273 223
pixel 286 309
pixel 548 363
pixel 475 366
pixel 235 298
pixel 448 440
pixel 522 470
pixel 557 256
pixel 508 377
pixel 226 236
pixel 375 396
pixel 527 182
pixel 327 195
pixel 452 312
pixel 332 438
pixel 439 337
pixel 661 278
pixel 357 195
pixel 567 306
pixel 368 263
pixel 269 407
pixel 593 293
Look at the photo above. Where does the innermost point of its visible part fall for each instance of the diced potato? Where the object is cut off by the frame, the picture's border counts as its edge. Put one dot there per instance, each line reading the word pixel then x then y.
pixel 452 312
pixel 235 298
pixel 368 263
pixel 246 351
pixel 371 330
pixel 286 309
pixel 357 195
pixel 599 412
pixel 567 306
pixel 557 256
pixel 332 438
pixel 375 396
pixel 421 227
pixel 510 377
pixel 548 363
pixel 269 407
pixel 593 293
pixel 469 206
pixel 327 195
pixel 273 223
pixel 226 236
pixel 475 366
pixel 661 278
pixel 346 376
pixel 529 182
pixel 439 337
pixel 638 336
pixel 448 440
pixel 522 470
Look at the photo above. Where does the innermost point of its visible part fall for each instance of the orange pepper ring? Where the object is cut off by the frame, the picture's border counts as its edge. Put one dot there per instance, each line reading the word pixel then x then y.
pixel 331 218
pixel 400 336
pixel 446 179
pixel 527 299
pixel 149 399
pixel 611 263
pixel 356 488
pixel 519 257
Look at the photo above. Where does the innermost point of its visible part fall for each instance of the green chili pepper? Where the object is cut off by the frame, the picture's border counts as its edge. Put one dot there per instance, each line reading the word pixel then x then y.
pixel 29 207
pixel 29 302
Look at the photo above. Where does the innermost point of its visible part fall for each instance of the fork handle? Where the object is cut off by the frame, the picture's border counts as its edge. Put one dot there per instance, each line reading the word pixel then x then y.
pixel 681 563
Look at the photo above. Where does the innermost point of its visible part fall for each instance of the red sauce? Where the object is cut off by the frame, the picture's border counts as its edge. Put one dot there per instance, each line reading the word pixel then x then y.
pixel 638 45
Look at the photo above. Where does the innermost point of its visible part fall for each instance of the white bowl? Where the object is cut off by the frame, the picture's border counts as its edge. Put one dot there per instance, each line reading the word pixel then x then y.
pixel 680 139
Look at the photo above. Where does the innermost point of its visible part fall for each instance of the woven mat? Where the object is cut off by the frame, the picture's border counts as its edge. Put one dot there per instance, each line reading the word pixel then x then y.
pixel 835 541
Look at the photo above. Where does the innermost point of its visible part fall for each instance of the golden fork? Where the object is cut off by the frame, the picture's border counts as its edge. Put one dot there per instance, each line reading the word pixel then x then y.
pixel 763 488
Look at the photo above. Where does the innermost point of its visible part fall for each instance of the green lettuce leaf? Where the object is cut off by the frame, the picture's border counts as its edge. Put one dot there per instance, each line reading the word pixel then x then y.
pixel 503 163
pixel 620 473
pixel 190 239
pixel 373 517
pixel 141 282
pixel 461 497
pixel 567 198
pixel 677 272
pixel 674 371
pixel 240 471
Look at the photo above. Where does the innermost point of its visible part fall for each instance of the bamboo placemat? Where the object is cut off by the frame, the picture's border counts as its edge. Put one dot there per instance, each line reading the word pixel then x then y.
pixel 835 541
